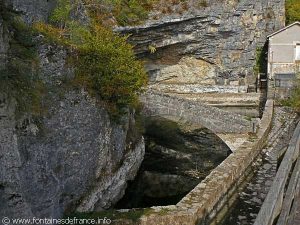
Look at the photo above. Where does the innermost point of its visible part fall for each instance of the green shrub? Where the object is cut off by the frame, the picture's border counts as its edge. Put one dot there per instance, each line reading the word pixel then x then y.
pixel 61 13
pixel 105 64
pixel 126 12
pixel 292 11
pixel 261 60
pixel 294 100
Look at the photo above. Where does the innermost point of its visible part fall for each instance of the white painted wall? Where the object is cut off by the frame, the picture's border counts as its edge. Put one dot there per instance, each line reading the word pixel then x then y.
pixel 284 51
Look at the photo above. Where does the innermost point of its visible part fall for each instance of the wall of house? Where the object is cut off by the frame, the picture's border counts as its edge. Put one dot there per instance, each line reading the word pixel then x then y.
pixel 282 51
pixel 286 37
pixel 282 68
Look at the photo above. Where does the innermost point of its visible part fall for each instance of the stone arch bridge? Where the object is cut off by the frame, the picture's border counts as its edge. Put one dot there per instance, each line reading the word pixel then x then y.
pixel 228 126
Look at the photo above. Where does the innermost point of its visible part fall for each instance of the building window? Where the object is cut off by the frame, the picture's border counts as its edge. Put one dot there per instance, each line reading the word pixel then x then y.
pixel 277 83
pixel 297 56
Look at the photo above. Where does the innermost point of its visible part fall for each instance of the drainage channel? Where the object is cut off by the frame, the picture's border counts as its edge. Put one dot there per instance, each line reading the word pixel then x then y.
pixel 250 199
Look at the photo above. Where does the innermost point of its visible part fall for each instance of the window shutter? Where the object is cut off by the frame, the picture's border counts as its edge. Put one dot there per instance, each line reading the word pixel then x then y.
pixel 297 56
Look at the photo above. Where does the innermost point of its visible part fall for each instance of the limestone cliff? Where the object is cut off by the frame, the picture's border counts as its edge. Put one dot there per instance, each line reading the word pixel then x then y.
pixel 74 156
pixel 208 42
pixel 71 157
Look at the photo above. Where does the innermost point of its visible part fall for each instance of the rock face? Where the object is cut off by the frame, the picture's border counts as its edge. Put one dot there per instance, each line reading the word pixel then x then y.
pixel 33 10
pixel 222 36
pixel 72 157
pixel 4 43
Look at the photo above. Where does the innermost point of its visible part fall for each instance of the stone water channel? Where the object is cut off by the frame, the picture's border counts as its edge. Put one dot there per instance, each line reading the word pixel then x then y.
pixel 178 157
pixel 250 198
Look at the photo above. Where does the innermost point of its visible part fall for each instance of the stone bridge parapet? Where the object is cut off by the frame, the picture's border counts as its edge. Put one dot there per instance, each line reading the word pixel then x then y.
pixel 217 120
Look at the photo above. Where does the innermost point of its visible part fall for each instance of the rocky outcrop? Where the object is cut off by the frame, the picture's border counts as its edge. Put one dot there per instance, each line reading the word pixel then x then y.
pixel 223 36
pixel 33 10
pixel 71 157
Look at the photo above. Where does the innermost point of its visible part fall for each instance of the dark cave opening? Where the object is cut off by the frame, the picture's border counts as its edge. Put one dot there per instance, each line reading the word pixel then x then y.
pixel 177 159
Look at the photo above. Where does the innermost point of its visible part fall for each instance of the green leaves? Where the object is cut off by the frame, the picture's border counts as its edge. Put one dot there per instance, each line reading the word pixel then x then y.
pixel 294 101
pixel 109 68
pixel 61 13
pixel 130 12
pixel 261 60
pixel 19 79
pixel 292 11
pixel 105 64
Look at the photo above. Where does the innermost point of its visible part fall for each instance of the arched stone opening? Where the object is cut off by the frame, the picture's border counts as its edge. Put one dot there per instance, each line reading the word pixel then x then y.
pixel 178 157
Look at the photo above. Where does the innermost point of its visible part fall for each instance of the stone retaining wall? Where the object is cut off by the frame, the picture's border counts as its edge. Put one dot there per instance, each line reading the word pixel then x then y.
pixel 209 200
pixel 217 120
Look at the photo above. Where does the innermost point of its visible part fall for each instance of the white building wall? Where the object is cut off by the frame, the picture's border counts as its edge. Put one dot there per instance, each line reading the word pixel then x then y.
pixel 283 51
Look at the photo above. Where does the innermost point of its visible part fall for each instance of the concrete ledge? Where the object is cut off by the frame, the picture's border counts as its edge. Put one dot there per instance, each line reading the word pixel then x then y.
pixel 209 200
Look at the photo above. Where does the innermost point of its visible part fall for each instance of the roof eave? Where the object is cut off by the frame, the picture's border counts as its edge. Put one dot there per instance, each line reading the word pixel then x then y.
pixel 283 29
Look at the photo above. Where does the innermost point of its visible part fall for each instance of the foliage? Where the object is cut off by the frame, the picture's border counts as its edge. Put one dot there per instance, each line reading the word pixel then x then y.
pixel 61 13
pixel 126 12
pixel 261 60
pixel 294 100
pixel 130 12
pixel 292 11
pixel 105 63
pixel 152 49
pixel 19 78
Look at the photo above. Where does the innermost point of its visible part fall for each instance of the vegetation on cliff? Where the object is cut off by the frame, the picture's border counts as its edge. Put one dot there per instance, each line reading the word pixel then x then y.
pixel 294 100
pixel 261 60
pixel 19 76
pixel 104 62
pixel 292 11
pixel 129 12
pixel 292 15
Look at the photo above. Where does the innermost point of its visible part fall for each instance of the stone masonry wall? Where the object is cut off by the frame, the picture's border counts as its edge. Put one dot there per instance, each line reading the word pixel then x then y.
pixel 217 120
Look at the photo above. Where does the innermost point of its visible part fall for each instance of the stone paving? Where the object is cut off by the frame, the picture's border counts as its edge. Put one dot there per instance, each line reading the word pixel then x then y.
pixel 252 197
